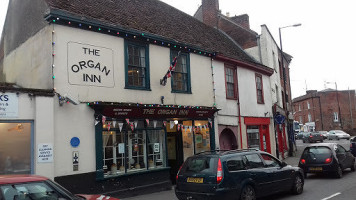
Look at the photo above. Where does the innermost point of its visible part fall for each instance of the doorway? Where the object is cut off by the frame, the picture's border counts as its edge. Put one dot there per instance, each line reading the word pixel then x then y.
pixel 175 153
pixel 228 140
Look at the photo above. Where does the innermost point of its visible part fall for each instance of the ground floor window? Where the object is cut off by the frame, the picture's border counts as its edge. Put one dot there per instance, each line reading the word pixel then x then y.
pixel 15 148
pixel 134 146
pixel 253 137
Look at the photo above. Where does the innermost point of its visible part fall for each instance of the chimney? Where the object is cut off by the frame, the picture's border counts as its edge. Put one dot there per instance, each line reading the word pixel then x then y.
pixel 210 12
pixel 242 20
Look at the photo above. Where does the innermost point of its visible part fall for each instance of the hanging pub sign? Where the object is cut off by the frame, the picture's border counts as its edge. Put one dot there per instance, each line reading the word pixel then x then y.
pixel 90 65
pixel 9 105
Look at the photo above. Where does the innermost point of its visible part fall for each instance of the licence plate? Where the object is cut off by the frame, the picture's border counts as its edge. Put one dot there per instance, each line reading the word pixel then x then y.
pixel 194 180
pixel 315 168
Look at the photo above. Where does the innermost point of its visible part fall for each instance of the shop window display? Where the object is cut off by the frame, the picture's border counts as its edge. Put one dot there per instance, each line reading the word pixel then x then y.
pixel 253 137
pixel 202 136
pixel 135 148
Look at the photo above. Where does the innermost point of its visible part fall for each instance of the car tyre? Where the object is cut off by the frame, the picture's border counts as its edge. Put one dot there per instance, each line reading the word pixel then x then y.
pixel 298 184
pixel 248 193
pixel 338 172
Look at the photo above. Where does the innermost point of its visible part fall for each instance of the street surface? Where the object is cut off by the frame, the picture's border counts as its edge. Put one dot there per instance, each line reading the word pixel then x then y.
pixel 316 187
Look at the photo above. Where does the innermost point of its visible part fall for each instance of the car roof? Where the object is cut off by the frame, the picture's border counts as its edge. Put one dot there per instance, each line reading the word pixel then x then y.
pixel 330 145
pixel 11 179
pixel 222 152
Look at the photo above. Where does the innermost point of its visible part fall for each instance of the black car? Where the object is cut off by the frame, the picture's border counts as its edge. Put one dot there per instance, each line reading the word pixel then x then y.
pixel 326 158
pixel 236 174
pixel 353 145
pixel 313 137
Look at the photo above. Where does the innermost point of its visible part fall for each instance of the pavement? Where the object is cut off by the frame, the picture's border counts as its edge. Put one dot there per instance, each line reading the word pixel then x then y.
pixel 170 195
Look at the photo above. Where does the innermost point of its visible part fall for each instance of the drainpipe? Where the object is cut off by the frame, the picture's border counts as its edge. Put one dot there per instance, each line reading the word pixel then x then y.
pixel 238 107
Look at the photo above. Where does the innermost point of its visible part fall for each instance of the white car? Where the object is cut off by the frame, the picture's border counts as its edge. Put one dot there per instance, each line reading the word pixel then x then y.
pixel 338 134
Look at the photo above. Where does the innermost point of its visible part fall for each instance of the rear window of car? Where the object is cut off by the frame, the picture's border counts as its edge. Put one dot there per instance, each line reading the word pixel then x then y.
pixel 317 151
pixel 200 165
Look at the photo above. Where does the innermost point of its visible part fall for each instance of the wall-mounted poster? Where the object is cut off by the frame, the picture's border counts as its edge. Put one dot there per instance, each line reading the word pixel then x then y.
pixel 45 153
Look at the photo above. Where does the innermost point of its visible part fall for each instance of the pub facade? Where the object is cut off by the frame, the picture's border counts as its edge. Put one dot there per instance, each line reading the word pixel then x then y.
pixel 125 105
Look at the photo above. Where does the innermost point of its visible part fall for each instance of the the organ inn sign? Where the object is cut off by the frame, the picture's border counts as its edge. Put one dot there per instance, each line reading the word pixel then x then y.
pixel 90 65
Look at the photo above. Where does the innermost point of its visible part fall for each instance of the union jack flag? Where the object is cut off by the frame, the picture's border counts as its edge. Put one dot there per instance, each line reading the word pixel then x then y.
pixel 163 81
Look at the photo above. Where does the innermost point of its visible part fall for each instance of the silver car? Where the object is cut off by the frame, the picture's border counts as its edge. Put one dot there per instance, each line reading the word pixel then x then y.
pixel 338 134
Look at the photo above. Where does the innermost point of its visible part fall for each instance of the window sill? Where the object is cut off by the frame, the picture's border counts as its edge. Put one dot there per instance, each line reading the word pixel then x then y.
pixel 181 92
pixel 137 88
pixel 136 172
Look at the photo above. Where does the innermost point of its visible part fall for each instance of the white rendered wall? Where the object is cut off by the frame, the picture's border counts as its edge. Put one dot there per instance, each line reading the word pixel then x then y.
pixel 200 68
pixel 29 65
pixel 44 134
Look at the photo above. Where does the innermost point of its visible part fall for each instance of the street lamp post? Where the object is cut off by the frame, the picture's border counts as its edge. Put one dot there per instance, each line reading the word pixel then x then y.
pixel 290 132
pixel 338 104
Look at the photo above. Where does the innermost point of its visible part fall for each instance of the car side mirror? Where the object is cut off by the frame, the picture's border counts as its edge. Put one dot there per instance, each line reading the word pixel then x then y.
pixel 283 164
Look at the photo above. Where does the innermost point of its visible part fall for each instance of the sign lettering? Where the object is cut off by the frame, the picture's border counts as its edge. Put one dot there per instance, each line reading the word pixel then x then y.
pixel 90 65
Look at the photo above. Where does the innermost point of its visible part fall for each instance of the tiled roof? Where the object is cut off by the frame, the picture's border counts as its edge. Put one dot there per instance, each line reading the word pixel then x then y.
pixel 154 17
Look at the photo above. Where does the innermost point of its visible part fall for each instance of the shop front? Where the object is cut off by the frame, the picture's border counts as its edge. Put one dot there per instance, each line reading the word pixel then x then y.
pixel 143 146
pixel 258 135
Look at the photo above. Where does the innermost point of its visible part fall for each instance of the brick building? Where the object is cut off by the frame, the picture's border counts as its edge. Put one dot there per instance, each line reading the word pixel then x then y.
pixel 264 49
pixel 326 110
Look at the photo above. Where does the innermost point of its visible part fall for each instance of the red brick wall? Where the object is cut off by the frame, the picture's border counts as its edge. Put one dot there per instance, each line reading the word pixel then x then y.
pixel 210 12
pixel 329 105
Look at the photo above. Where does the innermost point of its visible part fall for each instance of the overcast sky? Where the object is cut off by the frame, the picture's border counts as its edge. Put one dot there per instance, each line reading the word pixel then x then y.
pixel 323 48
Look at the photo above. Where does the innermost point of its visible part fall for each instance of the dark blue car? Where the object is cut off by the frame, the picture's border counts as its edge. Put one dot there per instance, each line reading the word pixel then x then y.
pixel 236 174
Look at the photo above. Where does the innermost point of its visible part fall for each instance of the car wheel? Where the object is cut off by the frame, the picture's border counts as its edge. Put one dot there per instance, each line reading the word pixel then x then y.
pixel 248 193
pixel 338 172
pixel 298 184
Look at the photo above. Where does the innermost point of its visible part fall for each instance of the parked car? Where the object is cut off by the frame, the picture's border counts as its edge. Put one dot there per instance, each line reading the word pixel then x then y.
pixel 300 135
pixel 338 134
pixel 236 174
pixel 313 137
pixel 353 145
pixel 32 187
pixel 326 158
pixel 324 133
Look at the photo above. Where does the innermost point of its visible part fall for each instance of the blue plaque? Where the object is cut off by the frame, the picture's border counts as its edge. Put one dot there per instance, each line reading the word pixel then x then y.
pixel 74 142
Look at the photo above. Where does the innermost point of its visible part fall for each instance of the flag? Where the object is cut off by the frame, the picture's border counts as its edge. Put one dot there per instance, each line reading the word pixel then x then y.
pixel 171 69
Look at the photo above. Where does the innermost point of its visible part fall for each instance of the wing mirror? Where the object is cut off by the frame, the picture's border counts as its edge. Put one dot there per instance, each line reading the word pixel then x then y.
pixel 284 164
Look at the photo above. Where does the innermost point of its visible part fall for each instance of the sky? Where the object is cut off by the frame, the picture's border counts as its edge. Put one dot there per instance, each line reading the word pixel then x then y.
pixel 322 47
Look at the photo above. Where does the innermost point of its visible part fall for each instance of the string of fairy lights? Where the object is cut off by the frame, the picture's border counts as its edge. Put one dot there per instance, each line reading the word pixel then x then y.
pixel 129 34
pixel 135 36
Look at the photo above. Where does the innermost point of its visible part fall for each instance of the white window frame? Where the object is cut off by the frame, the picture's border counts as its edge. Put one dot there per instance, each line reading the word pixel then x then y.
pixel 309 117
pixel 336 117
pixel 308 104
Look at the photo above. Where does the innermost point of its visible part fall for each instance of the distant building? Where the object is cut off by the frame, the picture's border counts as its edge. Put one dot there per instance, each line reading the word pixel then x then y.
pixel 326 110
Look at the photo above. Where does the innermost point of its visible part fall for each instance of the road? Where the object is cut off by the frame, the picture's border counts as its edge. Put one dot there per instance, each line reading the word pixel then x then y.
pixel 316 187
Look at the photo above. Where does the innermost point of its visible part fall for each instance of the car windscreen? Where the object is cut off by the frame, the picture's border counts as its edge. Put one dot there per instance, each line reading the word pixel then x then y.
pixel 200 165
pixel 29 191
pixel 317 151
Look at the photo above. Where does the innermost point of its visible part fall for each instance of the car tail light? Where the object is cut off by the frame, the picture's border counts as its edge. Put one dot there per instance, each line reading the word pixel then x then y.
pixel 351 145
pixel 328 160
pixel 302 161
pixel 311 136
pixel 219 173
pixel 179 171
